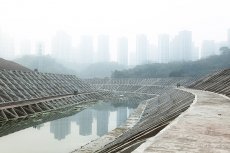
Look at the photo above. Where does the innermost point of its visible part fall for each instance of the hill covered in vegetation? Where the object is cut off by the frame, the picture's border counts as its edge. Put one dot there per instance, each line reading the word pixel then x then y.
pixel 177 69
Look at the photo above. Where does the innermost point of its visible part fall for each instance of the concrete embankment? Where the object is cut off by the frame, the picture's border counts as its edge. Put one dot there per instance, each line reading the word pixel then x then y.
pixel 157 114
pixel 204 127
pixel 100 143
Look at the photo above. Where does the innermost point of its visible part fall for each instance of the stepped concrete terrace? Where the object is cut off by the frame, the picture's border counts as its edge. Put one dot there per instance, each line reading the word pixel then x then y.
pixel 156 127
pixel 164 104
pixel 10 65
pixel 218 82
pixel 204 127
pixel 24 94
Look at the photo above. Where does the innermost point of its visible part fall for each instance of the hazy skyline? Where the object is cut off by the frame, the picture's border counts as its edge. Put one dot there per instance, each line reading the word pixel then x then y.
pixel 39 20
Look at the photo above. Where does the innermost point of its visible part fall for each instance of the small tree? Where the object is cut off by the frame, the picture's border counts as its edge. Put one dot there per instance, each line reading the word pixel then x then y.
pixel 224 50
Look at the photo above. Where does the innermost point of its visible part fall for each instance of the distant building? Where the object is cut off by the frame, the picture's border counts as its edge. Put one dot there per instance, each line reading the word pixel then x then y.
pixel 141 49
pixel 7 49
pixel 86 49
pixel 122 56
pixel 181 46
pixel 121 115
pixel 153 54
pixel 208 48
pixel 40 49
pixel 85 121
pixel 62 47
pixel 25 47
pixel 186 45
pixel 163 48
pixel 195 53
pixel 174 49
pixel 103 54
pixel 102 122
pixel 132 58
pixel 60 128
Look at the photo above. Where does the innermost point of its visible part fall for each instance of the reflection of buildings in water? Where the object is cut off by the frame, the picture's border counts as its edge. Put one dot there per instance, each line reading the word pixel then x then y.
pixel 38 126
pixel 85 120
pixel 94 112
pixel 60 128
pixel 130 111
pixel 102 122
pixel 121 115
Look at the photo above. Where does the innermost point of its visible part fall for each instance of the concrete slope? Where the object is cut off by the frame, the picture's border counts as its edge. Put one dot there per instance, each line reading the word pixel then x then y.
pixel 10 65
pixel 204 127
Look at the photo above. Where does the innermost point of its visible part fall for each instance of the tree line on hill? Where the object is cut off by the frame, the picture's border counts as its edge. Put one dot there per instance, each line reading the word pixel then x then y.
pixel 178 69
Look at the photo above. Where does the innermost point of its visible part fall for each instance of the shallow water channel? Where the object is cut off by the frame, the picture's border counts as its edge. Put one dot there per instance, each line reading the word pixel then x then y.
pixel 66 134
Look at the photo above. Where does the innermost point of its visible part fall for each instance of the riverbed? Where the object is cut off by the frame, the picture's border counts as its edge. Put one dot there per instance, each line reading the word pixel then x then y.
pixel 68 133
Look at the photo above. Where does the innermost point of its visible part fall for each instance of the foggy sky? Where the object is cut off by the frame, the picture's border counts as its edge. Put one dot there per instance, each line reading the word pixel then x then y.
pixel 40 19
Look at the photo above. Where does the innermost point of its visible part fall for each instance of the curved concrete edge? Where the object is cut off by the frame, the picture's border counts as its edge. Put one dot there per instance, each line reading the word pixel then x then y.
pixel 149 141
pixel 224 96
pixel 101 142
pixel 203 127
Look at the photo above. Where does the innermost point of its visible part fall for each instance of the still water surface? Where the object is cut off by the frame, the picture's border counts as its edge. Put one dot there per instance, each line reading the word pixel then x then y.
pixel 66 134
